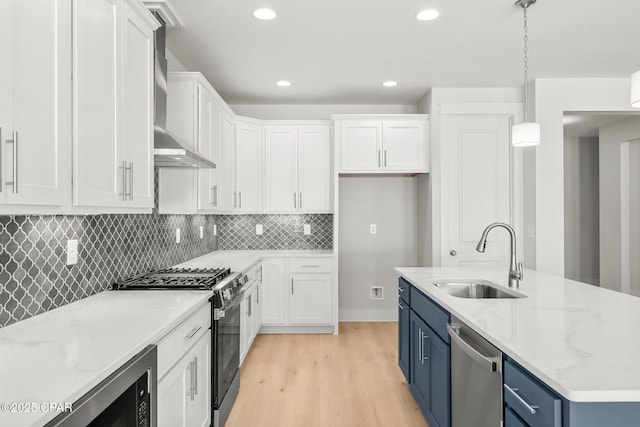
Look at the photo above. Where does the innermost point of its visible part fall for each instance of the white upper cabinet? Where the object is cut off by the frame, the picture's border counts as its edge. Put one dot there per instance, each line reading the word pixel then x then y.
pixel 298 169
pixel 198 116
pixel 113 104
pixel 227 167
pixel 35 104
pixel 388 144
pixel 248 167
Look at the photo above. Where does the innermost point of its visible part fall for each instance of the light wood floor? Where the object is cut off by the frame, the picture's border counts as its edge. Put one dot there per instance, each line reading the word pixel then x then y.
pixel 347 380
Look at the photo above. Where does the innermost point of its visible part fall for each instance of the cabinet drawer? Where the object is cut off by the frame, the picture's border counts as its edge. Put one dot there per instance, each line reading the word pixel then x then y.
pixel 511 419
pixel 529 399
pixel 435 316
pixel 311 265
pixel 403 290
pixel 177 342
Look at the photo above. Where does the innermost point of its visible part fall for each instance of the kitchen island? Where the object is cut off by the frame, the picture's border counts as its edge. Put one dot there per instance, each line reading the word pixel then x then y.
pixel 579 340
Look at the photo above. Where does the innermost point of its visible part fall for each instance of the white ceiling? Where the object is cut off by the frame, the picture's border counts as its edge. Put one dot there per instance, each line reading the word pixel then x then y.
pixel 339 51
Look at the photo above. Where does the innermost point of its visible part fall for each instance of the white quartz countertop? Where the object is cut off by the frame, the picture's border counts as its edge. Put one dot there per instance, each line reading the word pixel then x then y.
pixel 58 356
pixel 244 260
pixel 581 340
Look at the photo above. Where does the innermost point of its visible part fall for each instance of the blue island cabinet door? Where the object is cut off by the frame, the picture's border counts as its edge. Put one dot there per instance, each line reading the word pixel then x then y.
pixel 419 364
pixel 439 354
pixel 403 338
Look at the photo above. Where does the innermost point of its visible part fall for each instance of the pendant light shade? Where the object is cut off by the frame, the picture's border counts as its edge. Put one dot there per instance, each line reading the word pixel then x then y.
pixel 635 89
pixel 525 134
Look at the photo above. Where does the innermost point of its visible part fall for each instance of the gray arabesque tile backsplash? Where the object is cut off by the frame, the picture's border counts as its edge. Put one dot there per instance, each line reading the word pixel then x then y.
pixel 34 277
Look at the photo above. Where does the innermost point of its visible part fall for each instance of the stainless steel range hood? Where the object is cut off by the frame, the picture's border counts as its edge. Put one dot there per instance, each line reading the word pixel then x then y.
pixel 169 150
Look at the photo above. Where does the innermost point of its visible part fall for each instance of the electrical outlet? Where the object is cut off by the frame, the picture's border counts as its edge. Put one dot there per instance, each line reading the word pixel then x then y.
pixel 259 229
pixel 72 251
pixel 377 292
pixel 215 230
pixel 307 229
pixel 177 235
pixel 201 232
pixel 373 228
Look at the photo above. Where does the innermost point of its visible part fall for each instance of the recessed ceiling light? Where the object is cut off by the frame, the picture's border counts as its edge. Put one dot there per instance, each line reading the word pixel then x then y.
pixel 264 14
pixel 389 83
pixel 283 83
pixel 427 15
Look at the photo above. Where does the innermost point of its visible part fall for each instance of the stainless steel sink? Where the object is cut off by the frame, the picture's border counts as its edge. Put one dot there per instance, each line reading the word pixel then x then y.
pixel 476 289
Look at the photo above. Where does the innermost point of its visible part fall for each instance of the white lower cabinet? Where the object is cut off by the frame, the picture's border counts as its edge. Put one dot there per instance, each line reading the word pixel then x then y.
pixel 184 371
pixel 247 320
pixel 297 293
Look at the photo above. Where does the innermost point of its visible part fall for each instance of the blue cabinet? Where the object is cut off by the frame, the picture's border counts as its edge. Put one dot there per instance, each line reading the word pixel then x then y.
pixel 403 337
pixel 427 365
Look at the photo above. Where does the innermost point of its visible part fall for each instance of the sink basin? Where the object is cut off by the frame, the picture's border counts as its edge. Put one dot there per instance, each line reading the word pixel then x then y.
pixel 476 289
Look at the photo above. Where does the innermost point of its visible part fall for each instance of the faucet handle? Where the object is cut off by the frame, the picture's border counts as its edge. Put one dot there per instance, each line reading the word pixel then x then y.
pixel 520 271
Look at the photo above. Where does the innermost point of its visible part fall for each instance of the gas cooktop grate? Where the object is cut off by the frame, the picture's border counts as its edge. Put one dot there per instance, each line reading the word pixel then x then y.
pixel 168 278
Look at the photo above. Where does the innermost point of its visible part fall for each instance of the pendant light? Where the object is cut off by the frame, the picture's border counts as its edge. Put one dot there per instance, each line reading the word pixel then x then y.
pixel 525 134
pixel 635 89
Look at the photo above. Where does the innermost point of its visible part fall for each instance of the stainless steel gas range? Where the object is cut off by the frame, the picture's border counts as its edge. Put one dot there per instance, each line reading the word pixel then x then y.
pixel 225 323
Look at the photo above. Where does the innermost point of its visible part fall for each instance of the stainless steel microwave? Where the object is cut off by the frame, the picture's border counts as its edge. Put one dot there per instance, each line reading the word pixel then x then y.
pixel 128 397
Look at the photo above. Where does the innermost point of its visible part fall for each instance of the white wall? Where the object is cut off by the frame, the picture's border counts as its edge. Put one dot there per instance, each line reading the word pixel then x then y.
pixel 617 241
pixel 581 210
pixel 367 260
pixel 552 98
pixel 316 112
pixel 173 63
pixel 634 216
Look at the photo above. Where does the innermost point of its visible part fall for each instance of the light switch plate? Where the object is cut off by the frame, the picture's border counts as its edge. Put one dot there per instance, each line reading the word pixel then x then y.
pixel 259 229
pixel 215 230
pixel 72 251
pixel 307 229
pixel 373 228
pixel 177 235
pixel 201 232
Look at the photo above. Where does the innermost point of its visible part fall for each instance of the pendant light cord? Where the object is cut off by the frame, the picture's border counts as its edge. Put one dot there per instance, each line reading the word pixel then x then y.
pixel 525 6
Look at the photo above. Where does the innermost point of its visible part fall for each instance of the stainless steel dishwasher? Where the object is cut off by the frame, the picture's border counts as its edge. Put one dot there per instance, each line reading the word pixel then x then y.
pixel 476 378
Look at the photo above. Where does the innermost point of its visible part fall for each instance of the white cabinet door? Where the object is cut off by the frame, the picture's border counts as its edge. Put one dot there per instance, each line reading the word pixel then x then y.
pixel 257 309
pixel 35 116
pixel 475 189
pixel 246 322
pixel 314 169
pixel 227 164
pixel 310 300
pixel 281 169
pixel 209 125
pixel 137 106
pixel 98 168
pixel 184 393
pixel 248 161
pixel 361 145
pixel 274 290
pixel 403 145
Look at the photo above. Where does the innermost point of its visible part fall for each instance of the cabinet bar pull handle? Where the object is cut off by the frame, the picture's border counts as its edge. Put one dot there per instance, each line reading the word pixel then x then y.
pixel 512 391
pixel 195 376
pixel 191 388
pixel 294 200
pixel 14 141
pixel 379 158
pixel 258 294
pixel 311 266
pixel 131 181
pixel 301 200
pixel 401 289
pixel 193 332
pixel 420 345
pixel 1 162
pixel 240 199
pixel 124 180
pixel 128 169
pixel 234 199
pixel 385 158
pixel 424 354
pixel 292 286
pixel 214 195
pixel 402 307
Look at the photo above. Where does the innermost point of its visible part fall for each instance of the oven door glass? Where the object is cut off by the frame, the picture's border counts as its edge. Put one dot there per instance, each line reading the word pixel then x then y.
pixel 227 351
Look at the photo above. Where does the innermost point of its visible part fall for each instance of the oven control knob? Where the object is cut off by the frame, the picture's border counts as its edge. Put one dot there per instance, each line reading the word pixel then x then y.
pixel 226 294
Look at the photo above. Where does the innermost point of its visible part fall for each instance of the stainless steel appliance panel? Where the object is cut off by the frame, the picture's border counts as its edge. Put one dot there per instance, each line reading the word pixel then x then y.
pixel 476 378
